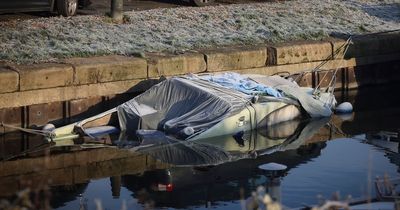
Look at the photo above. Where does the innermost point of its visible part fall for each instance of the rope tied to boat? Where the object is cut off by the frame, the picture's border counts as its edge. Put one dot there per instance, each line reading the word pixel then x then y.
pixel 45 133
pixel 331 85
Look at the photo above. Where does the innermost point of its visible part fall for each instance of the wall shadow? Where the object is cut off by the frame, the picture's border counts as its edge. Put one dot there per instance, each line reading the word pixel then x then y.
pixel 387 12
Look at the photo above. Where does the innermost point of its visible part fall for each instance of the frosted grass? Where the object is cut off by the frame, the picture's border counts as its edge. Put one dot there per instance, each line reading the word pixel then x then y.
pixel 189 28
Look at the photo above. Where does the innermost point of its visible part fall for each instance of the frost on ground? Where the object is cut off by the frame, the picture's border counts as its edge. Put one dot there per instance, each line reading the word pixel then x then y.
pixel 181 29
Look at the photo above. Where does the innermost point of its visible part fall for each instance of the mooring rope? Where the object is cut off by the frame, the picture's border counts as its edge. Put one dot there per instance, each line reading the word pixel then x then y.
pixel 48 134
pixel 332 56
pixel 332 82
pixel 337 52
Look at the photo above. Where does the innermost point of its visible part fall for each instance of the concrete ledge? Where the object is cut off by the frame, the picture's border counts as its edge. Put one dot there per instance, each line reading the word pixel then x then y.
pixel 170 65
pixel 235 58
pixel 299 52
pixel 40 96
pixel 9 80
pixel 47 75
pixel 107 68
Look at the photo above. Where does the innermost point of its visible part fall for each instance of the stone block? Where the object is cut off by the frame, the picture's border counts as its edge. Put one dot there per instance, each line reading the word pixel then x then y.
pixel 170 65
pixel 24 98
pixel 83 108
pixel 304 80
pixel 55 111
pixel 38 115
pixel 9 80
pixel 299 52
pixel 107 68
pixel 47 75
pixel 324 78
pixel 236 58
pixel 11 116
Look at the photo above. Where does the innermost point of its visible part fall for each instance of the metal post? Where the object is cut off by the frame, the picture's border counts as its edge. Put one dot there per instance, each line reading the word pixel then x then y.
pixel 117 10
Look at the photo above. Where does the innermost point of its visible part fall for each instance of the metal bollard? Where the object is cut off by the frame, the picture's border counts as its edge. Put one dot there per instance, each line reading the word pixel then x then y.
pixel 117 10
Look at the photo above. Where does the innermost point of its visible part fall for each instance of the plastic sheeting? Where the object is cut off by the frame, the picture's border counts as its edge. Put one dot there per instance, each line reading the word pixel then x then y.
pixel 241 83
pixel 314 107
pixel 200 102
pixel 202 153
pixel 177 103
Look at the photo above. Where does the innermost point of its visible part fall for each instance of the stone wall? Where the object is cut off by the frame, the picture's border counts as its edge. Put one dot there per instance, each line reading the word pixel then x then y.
pixel 70 89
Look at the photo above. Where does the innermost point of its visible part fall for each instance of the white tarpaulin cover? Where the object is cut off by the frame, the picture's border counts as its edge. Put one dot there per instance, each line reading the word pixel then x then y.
pixel 177 103
pixel 201 102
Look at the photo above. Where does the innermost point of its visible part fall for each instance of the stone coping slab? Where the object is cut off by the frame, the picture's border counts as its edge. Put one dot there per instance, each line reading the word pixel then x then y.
pixel 107 69
pixel 300 52
pixel 30 97
pixel 9 80
pixel 170 65
pixel 46 75
pixel 235 58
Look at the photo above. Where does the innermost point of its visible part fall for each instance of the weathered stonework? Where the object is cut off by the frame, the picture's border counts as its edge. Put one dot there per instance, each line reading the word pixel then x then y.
pixel 47 75
pixel 301 52
pixel 235 58
pixel 107 69
pixel 325 77
pixel 338 47
pixel 24 98
pixel 9 80
pixel 80 108
pixel 170 65
pixel 11 115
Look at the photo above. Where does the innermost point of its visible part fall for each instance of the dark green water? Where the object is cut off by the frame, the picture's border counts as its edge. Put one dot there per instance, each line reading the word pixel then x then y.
pixel 337 158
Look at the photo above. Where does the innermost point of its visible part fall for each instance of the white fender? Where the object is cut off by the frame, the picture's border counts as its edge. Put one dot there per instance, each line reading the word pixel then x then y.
pixel 344 107
pixel 49 127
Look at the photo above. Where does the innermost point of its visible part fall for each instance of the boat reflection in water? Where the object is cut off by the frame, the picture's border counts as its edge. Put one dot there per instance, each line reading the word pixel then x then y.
pixel 199 177
pixel 170 173
pixel 216 150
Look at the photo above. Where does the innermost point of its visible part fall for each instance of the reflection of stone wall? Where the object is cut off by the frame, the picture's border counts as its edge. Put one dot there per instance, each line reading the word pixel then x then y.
pixel 15 144
pixel 71 168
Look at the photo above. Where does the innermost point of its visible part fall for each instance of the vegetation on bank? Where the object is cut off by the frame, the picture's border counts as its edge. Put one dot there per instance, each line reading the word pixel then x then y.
pixel 188 28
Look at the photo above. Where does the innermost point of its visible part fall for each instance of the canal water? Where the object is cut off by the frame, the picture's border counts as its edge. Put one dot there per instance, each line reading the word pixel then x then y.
pixel 325 159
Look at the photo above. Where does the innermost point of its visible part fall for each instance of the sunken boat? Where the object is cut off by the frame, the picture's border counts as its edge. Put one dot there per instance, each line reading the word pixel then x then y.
pixel 196 107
